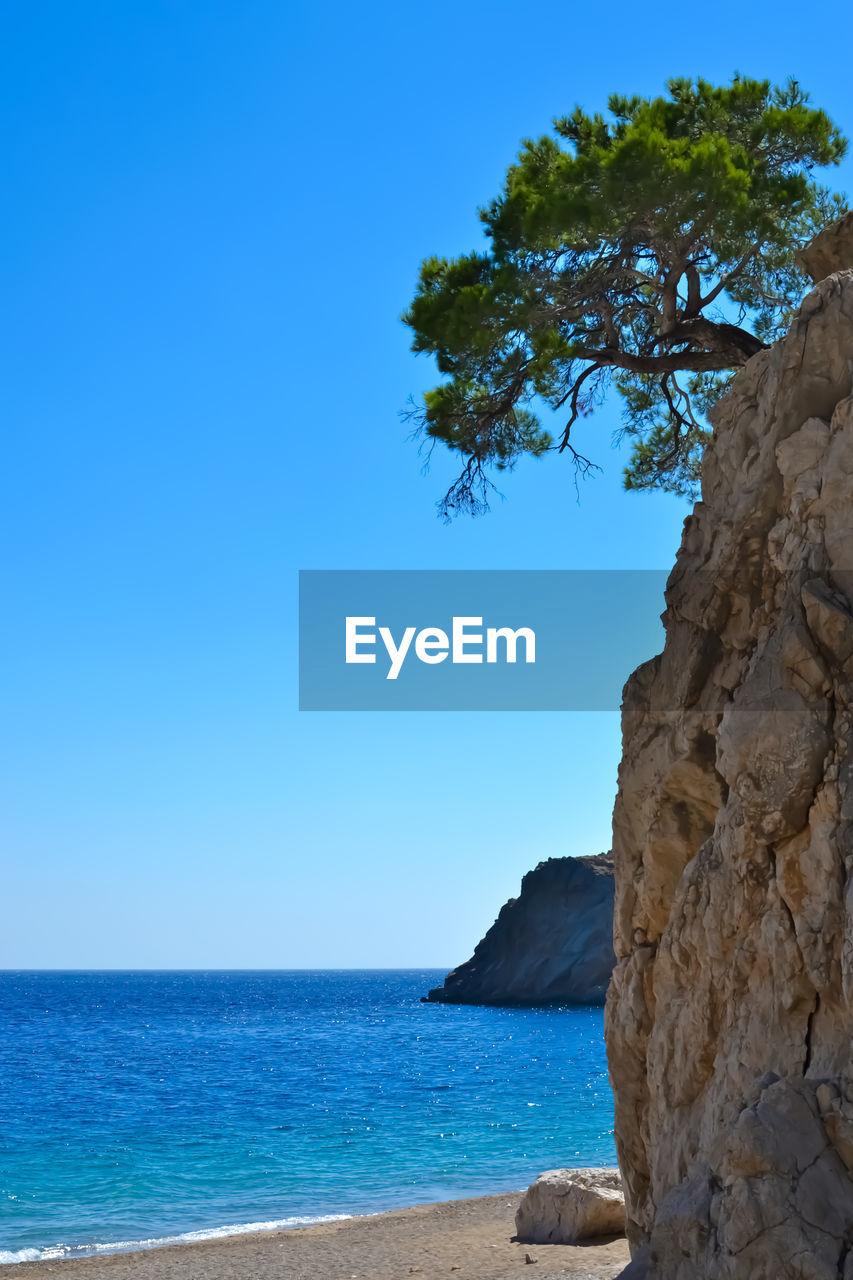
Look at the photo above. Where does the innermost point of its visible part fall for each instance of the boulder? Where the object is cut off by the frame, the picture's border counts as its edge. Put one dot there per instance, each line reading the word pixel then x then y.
pixel 551 945
pixel 565 1206
pixel 830 251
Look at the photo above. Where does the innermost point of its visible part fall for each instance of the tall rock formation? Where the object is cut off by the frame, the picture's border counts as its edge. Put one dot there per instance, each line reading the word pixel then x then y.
pixel 552 944
pixel 730 1014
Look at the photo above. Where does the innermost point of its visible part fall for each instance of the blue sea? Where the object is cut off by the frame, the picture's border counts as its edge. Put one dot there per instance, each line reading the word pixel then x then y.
pixel 140 1108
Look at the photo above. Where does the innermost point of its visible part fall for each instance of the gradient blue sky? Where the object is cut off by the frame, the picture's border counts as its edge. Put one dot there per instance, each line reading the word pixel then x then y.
pixel 213 216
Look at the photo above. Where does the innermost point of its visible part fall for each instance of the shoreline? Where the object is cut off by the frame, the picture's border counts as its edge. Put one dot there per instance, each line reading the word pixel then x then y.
pixel 102 1249
pixel 472 1238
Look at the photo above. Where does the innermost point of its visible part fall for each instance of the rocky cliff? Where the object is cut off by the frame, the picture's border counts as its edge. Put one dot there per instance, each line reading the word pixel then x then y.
pixel 554 943
pixel 730 1015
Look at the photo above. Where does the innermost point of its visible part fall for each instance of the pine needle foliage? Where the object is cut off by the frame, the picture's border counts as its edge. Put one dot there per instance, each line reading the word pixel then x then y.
pixel 650 252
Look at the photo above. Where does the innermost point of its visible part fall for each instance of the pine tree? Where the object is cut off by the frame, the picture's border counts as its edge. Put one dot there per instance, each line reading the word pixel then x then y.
pixel 652 253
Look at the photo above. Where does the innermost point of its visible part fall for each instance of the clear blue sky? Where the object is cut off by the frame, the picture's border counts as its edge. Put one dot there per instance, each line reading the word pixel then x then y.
pixel 213 216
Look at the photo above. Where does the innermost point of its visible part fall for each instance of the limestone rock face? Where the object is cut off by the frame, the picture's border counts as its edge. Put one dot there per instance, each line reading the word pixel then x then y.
pixel 565 1206
pixel 730 1015
pixel 831 251
pixel 554 943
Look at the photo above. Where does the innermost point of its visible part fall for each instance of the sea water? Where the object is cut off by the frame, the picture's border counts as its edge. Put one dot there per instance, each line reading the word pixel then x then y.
pixel 139 1108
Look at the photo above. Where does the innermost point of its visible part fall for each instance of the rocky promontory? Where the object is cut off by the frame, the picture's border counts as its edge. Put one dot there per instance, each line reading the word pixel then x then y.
pixel 551 945
pixel 730 1015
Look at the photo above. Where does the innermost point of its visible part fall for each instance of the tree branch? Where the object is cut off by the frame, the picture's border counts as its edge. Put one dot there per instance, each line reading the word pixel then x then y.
pixel 694 293
pixel 689 361
pixel 574 392
pixel 711 333
pixel 721 284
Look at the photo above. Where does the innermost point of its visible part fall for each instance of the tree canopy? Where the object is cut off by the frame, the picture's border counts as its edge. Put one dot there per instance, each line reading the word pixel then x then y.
pixel 652 252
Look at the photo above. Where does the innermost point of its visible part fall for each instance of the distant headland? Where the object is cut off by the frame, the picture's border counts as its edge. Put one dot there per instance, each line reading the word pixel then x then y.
pixel 551 945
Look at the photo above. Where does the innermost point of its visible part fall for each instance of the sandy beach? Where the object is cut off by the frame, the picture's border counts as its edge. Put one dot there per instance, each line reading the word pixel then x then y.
pixel 468 1239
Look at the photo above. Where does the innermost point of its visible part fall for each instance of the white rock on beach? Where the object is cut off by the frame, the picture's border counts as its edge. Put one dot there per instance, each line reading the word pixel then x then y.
pixel 564 1206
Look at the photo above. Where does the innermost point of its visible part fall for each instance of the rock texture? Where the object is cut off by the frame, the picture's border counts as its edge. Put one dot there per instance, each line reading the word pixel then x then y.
pixel 730 1015
pixel 565 1206
pixel 552 944
pixel 831 251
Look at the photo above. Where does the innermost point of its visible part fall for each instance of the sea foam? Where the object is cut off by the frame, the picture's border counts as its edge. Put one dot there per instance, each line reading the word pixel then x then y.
pixel 56 1252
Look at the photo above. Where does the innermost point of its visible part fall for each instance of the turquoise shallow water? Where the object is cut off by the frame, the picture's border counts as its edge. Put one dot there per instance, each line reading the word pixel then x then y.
pixel 138 1107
